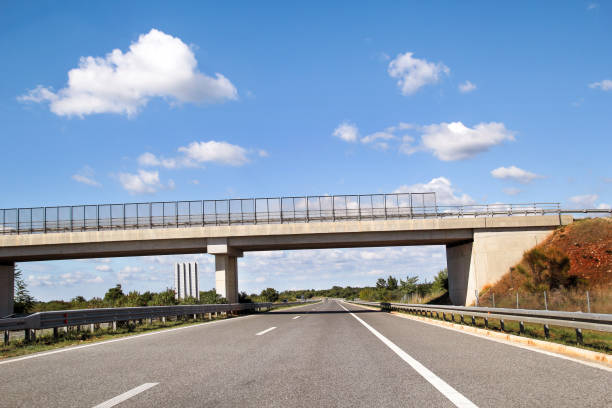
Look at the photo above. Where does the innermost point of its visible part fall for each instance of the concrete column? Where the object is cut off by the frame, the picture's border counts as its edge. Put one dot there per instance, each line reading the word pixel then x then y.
pixel 7 285
pixel 473 265
pixel 226 277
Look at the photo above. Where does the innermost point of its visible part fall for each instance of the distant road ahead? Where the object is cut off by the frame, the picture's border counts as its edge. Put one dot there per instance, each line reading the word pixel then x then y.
pixel 327 354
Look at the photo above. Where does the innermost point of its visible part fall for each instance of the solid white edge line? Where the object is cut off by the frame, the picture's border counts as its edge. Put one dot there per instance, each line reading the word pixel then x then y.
pixel 136 336
pixel 508 343
pixel 265 331
pixel 449 392
pixel 126 395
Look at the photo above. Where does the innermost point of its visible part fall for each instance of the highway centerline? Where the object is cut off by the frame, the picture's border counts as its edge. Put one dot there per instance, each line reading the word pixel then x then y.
pixel 126 395
pixel 449 392
pixel 265 331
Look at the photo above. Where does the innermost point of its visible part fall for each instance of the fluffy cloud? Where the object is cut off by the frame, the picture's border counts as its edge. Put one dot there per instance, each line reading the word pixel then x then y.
pixel 64 279
pixel 514 173
pixel 86 176
pixel 414 73
pixel 142 182
pixel 215 152
pixel 156 65
pixel 455 141
pixel 447 141
pixel 103 268
pixel 446 194
pixel 588 201
pixel 605 85
pixel 197 153
pixel 347 132
pixel 466 87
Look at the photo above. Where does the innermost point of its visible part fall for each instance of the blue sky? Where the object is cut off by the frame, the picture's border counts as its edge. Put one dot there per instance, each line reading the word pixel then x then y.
pixel 481 102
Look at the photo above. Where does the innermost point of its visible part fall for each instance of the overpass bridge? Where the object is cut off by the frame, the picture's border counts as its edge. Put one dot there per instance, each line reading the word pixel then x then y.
pixel 482 241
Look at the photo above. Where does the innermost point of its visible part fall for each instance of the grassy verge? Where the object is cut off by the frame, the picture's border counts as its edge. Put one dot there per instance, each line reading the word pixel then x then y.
pixel 46 342
pixel 592 340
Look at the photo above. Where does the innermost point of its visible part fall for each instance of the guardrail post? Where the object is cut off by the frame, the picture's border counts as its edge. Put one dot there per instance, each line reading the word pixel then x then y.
pixel 486 321
pixel 164 319
pixel 501 325
pixel 546 331
pixel 473 321
pixel 26 335
pixel 55 333
pixel 522 327
pixel 92 327
pixel 7 337
pixel 579 338
pixel 461 319
pixel 114 325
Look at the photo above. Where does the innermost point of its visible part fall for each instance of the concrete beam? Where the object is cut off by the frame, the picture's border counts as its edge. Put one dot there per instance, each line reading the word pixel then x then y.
pixel 7 288
pixel 218 246
pixel 226 277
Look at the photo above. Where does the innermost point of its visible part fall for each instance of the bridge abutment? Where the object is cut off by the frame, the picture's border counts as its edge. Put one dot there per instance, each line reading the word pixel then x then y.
pixel 473 265
pixel 7 285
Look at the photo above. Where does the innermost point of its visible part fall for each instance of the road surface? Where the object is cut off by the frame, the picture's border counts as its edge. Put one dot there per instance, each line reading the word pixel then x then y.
pixel 326 354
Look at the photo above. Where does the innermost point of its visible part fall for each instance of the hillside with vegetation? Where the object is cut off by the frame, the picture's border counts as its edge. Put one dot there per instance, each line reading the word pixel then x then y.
pixel 570 270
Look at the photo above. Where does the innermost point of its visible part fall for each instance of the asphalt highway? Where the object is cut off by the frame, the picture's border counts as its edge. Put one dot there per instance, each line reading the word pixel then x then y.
pixel 331 354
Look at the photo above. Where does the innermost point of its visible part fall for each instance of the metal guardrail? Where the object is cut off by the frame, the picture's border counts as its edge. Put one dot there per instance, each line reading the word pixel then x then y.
pixel 64 318
pixel 243 211
pixel 577 320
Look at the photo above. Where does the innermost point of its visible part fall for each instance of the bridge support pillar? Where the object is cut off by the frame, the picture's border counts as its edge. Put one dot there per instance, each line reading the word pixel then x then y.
pixel 473 265
pixel 7 285
pixel 226 267
pixel 226 277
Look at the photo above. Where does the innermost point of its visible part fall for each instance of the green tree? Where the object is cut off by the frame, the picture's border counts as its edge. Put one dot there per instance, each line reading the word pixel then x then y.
pixel 211 297
pixel 391 283
pixel 409 286
pixel 367 294
pixel 440 282
pixel 114 295
pixel 381 284
pixel 23 300
pixel 165 298
pixel 270 294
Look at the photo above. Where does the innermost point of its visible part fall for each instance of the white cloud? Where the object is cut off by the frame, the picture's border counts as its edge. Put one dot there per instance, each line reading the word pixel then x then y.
pixel 592 6
pixel 197 153
pixel 413 73
pixel 511 191
pixel 347 132
pixel 514 173
pixel 446 194
pixel 605 85
pixel 455 141
pixel 466 87
pixel 103 268
pixel 216 152
pixel 588 201
pixel 156 65
pixel 142 182
pixel 86 176
pixel 584 201
pixel 377 136
pixel 148 159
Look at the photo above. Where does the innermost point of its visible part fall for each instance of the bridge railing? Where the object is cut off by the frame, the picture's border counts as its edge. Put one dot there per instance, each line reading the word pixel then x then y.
pixel 279 210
